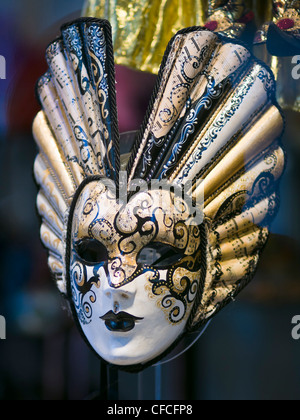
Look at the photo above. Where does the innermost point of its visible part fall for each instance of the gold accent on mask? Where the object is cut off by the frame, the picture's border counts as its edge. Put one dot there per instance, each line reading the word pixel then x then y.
pixel 227 15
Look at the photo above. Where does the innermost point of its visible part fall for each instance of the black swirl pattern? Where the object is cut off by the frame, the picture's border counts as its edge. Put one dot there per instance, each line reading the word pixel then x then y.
pixel 144 220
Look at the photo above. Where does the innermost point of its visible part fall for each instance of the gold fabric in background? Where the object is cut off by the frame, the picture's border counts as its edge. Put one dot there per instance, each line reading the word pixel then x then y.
pixel 142 29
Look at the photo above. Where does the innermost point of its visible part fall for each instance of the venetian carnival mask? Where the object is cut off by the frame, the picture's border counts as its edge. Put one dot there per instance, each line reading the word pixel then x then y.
pixel 134 271
pixel 143 267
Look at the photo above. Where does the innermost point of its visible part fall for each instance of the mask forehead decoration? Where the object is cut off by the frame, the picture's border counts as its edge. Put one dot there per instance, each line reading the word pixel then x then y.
pixel 142 267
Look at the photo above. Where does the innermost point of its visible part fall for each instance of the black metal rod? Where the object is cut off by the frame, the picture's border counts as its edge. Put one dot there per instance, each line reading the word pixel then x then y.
pixel 103 382
pixel 113 383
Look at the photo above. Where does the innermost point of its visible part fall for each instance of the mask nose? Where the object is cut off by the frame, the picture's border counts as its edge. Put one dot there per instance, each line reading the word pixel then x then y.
pixel 121 298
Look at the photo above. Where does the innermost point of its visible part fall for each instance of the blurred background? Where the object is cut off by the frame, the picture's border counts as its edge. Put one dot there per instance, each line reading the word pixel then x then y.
pixel 247 352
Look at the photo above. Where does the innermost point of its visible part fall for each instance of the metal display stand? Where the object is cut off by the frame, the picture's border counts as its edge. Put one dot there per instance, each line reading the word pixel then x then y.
pixel 110 375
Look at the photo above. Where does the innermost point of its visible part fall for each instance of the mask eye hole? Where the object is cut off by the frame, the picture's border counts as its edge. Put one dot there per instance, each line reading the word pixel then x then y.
pixel 159 255
pixel 91 251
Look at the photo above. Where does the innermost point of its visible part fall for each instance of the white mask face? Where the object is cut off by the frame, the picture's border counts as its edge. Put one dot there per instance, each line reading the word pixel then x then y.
pixel 134 271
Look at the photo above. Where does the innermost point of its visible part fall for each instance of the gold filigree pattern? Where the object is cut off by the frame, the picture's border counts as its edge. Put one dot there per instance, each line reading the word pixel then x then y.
pixel 228 17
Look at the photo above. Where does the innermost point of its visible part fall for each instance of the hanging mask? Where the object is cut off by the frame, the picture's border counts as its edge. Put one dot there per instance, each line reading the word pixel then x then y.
pixel 148 255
